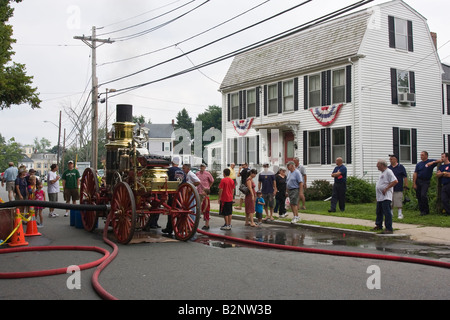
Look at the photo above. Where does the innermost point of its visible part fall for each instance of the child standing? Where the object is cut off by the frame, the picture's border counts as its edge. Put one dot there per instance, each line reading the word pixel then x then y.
pixel 259 205
pixel 39 195
pixel 226 189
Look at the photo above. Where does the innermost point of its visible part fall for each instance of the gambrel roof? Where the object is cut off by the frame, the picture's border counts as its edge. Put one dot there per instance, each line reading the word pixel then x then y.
pixel 330 42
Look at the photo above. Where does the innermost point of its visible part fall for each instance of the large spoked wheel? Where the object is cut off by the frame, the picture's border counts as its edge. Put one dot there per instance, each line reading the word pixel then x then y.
pixel 89 195
pixel 186 211
pixel 123 211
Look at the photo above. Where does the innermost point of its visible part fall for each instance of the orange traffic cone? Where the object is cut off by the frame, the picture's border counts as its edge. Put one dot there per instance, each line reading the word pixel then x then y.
pixel 18 238
pixel 32 225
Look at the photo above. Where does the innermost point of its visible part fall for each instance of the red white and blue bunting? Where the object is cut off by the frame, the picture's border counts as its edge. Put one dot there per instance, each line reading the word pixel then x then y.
pixel 242 126
pixel 326 115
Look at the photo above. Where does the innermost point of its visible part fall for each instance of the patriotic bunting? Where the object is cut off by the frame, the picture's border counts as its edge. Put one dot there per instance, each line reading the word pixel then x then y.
pixel 326 115
pixel 242 126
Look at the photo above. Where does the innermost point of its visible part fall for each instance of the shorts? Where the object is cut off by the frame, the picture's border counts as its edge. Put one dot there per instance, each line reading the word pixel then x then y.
pixel 268 200
pixel 294 196
pixel 71 193
pixel 226 208
pixel 258 215
pixel 53 197
pixel 397 199
pixel 10 186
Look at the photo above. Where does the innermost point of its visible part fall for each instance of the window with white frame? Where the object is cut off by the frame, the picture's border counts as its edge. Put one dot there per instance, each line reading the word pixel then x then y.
pixel 339 85
pixel 314 147
pixel 272 98
pixel 401 34
pixel 288 95
pixel 405 145
pixel 234 106
pixel 251 103
pixel 338 143
pixel 314 91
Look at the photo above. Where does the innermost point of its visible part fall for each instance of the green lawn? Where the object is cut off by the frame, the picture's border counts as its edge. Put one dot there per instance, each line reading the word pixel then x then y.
pixel 366 211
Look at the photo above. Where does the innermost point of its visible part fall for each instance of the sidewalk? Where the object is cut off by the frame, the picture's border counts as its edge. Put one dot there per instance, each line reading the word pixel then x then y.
pixel 431 235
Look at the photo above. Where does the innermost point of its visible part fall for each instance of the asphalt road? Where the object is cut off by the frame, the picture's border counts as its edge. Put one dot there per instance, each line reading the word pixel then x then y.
pixel 212 270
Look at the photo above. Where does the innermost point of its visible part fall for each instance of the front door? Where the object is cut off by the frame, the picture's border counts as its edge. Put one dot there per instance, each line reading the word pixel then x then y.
pixel 289 146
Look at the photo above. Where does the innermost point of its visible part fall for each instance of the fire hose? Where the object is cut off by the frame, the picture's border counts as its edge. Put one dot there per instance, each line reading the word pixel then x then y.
pixel 108 257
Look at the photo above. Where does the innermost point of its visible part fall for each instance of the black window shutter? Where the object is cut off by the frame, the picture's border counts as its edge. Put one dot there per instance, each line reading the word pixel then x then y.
pixel 280 97
pixel 257 102
pixel 448 99
pixel 244 104
pixel 323 89
pixel 240 105
pixel 305 92
pixel 448 141
pixel 162 146
pixel 394 91
pixel 410 36
pixel 229 107
pixel 414 145
pixel 396 141
pixel 257 149
pixel 305 148
pixel 323 158
pixel 443 99
pixel 295 94
pixel 391 23
pixel 328 89
pixel 348 84
pixel 412 85
pixel 348 144
pixel 265 100
pixel 328 145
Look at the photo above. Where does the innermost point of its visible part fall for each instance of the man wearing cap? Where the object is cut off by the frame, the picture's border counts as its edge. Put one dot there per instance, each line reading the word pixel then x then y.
pixel 402 178
pixel 71 184
pixel 9 177
pixel 268 186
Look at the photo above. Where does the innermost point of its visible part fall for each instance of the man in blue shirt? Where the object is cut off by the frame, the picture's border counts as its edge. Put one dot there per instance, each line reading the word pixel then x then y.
pixel 9 177
pixel 444 173
pixel 421 181
pixel 340 186
pixel 402 178
pixel 268 187
pixel 294 182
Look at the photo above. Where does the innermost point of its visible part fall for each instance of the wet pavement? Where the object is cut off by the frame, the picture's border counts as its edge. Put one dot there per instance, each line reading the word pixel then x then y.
pixel 321 239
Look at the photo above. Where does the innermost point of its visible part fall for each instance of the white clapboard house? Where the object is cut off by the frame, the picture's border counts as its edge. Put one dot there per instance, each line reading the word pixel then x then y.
pixel 360 87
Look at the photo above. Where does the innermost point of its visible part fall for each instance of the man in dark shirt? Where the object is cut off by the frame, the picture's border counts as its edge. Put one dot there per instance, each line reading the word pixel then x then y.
pixel 402 178
pixel 444 173
pixel 421 181
pixel 340 186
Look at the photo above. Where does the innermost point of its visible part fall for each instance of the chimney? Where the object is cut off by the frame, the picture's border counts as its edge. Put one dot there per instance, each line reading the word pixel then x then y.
pixel 173 123
pixel 434 37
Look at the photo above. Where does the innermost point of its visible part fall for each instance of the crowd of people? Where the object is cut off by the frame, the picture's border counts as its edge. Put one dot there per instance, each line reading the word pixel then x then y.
pixel 274 192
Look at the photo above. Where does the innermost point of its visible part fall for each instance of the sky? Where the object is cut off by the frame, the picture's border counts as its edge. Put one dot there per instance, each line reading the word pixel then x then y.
pixel 62 66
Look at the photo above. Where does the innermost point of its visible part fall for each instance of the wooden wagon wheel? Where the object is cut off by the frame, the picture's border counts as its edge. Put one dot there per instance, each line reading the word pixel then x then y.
pixel 89 195
pixel 123 211
pixel 186 212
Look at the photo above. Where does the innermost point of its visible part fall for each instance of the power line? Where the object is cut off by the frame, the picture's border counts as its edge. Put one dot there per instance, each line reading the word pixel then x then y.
pixel 254 45
pixel 210 43
pixel 187 39
pixel 139 34
pixel 148 20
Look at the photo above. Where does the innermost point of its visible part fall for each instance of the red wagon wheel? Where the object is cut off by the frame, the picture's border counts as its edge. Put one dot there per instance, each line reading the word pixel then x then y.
pixel 123 210
pixel 89 195
pixel 186 211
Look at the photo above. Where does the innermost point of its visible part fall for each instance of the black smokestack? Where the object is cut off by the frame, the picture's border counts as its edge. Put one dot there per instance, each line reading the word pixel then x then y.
pixel 124 113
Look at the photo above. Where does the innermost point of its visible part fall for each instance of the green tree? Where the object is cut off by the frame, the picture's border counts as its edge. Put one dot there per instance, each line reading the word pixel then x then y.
pixel 211 118
pixel 184 122
pixel 15 85
pixel 141 120
pixel 42 146
pixel 9 151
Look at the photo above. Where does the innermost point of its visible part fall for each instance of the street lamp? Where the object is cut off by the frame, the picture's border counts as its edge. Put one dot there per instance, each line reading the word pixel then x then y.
pixel 59 136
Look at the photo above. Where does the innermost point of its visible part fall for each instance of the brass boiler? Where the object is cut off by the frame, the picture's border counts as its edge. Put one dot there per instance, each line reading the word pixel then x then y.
pixel 155 179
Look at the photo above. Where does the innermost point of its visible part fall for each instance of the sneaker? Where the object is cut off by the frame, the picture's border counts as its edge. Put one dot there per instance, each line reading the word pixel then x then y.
pixel 205 228
pixel 66 214
pixel 400 216
pixel 295 220
pixel 283 215
pixel 39 225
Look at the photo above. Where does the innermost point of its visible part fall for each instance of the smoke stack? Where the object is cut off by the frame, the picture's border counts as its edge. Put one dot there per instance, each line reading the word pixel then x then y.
pixel 434 37
pixel 124 113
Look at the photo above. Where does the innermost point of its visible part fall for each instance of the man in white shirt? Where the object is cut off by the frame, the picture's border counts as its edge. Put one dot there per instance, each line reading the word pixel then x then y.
pixel 384 192
pixel 53 188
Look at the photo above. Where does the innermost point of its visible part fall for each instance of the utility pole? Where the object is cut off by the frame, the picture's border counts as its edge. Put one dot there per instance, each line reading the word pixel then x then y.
pixel 59 139
pixel 92 43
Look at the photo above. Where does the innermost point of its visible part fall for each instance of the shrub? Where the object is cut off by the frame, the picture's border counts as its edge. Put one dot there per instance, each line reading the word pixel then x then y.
pixel 360 191
pixel 319 190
